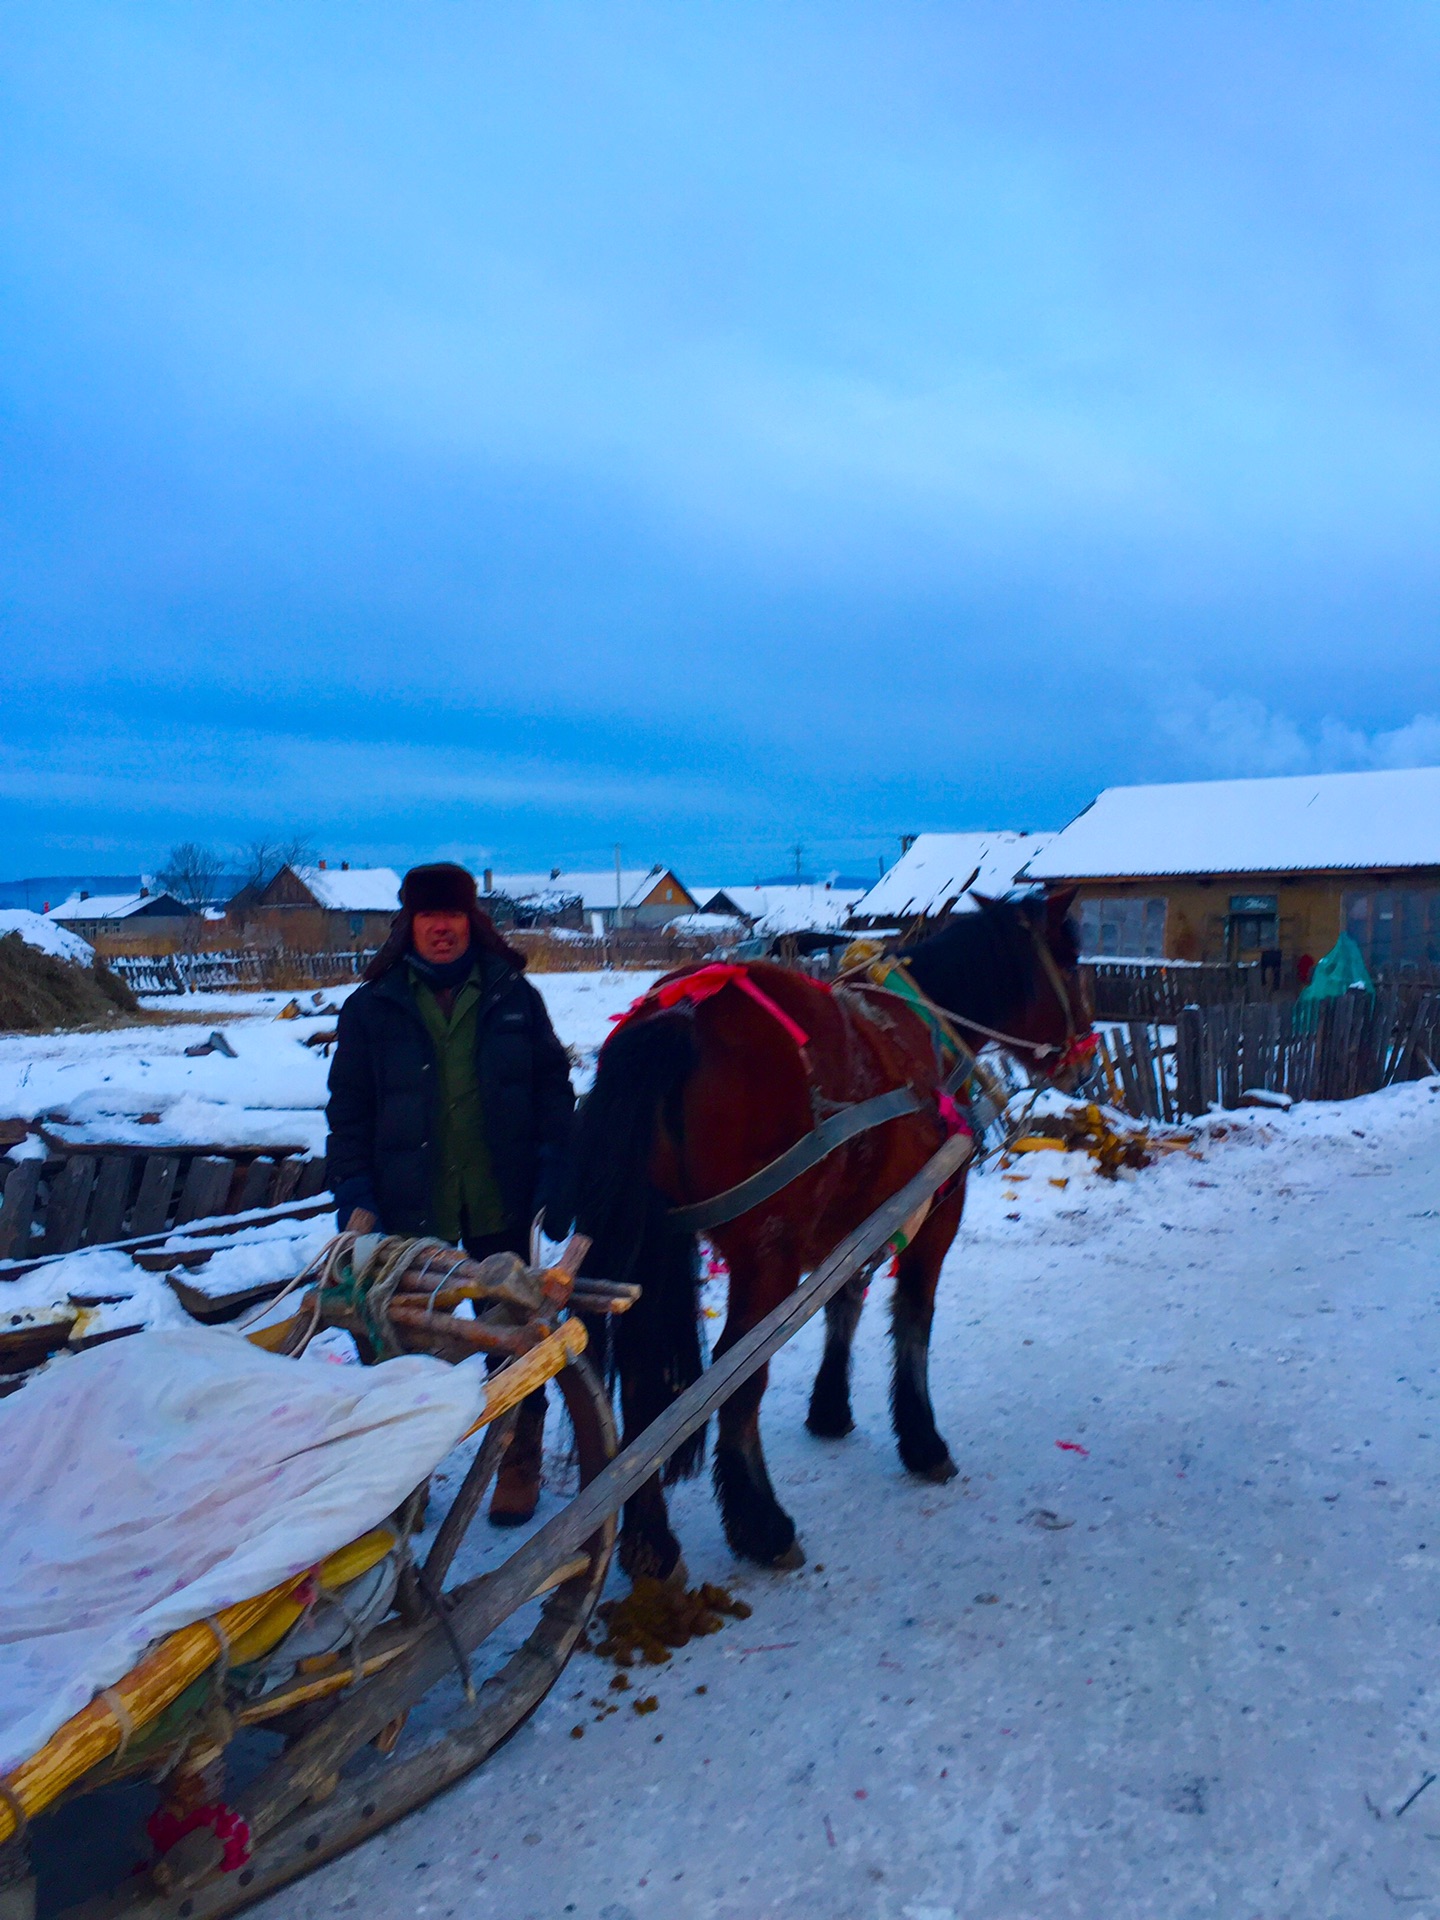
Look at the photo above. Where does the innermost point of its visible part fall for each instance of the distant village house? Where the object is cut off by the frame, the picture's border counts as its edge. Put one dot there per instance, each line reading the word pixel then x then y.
pixel 938 873
pixel 322 909
pixel 589 902
pixel 112 922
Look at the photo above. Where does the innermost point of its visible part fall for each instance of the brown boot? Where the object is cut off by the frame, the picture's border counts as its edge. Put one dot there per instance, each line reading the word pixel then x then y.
pixel 517 1485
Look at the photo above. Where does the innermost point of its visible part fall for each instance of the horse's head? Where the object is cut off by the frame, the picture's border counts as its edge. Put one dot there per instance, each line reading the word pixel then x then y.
pixel 1010 973
pixel 1055 1015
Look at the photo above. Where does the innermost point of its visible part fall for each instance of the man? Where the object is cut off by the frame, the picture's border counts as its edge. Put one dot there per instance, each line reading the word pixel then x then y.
pixel 450 1106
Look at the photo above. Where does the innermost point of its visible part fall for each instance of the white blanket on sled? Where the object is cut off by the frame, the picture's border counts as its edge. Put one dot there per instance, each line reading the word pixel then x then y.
pixel 148 1483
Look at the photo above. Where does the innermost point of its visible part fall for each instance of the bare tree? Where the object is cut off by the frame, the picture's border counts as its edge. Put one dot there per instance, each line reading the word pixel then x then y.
pixel 190 872
pixel 263 858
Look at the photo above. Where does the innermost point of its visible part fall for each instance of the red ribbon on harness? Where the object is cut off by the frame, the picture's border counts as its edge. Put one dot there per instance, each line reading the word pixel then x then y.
pixel 702 985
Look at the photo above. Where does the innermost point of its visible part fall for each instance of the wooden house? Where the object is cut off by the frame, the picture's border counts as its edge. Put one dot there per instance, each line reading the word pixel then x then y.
pixel 324 909
pixel 937 872
pixel 1266 870
pixel 596 902
pixel 114 923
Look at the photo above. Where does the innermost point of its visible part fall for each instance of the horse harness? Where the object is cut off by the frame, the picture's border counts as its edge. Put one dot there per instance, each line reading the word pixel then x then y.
pixel 835 1128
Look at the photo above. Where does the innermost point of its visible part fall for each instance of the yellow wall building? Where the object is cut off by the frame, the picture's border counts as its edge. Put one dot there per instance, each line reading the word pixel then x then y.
pixel 1260 870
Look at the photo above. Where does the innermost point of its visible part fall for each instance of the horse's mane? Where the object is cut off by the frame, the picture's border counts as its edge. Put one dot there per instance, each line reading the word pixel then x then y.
pixel 980 964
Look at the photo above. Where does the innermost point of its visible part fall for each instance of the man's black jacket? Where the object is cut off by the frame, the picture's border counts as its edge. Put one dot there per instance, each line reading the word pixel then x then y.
pixel 384 1087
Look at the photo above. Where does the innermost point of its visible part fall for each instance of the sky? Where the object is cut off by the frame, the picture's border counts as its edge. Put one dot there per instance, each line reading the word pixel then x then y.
pixel 501 431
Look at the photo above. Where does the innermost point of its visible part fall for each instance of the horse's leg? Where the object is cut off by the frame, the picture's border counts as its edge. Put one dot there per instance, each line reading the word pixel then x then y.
pixel 829 1417
pixel 648 1547
pixel 911 1311
pixel 756 1525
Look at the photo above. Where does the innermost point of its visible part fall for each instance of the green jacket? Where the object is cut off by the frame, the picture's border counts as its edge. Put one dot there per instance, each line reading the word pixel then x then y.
pixel 465 1196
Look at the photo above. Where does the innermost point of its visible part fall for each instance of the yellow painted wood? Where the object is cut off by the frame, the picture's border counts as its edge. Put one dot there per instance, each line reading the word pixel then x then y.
pixel 94 1733
pixel 512 1384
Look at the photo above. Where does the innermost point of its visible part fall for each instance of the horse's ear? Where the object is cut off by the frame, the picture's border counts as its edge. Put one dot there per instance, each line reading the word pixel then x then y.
pixel 985 900
pixel 1059 903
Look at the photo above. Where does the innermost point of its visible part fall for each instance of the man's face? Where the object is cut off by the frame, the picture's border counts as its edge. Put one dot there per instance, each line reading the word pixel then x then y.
pixel 439 937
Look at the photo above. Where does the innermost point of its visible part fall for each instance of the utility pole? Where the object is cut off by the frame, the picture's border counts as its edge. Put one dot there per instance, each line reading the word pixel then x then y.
pixel 799 853
pixel 619 890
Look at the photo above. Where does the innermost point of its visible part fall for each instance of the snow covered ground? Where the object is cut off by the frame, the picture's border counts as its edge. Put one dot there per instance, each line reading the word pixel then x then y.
pixel 1165 1651
pixel 271 1094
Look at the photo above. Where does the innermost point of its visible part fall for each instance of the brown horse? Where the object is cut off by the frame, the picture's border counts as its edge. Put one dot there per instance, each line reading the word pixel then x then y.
pixel 693 1097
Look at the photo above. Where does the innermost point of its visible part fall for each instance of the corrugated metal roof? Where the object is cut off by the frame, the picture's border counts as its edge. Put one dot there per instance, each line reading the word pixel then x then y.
pixel 938 867
pixel 1299 823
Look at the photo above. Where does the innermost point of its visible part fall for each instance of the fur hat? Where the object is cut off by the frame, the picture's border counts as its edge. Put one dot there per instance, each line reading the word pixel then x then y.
pixel 441 888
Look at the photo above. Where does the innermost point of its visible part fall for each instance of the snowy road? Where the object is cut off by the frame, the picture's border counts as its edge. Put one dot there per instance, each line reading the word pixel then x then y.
pixel 1208 1694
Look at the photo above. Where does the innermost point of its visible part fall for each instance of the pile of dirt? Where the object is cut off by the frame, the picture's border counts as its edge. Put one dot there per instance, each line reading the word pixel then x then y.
pixel 39 992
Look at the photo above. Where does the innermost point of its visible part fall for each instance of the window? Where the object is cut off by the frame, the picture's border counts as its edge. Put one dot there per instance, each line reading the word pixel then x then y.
pixel 1254 921
pixel 1132 928
pixel 1395 927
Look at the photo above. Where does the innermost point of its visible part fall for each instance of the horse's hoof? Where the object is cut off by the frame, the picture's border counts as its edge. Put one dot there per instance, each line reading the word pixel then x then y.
pixel 793 1557
pixel 823 1429
pixel 678 1577
pixel 942 1471
pixel 643 1560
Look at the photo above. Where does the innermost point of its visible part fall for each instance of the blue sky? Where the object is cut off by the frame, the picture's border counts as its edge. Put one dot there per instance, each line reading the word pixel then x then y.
pixel 505 430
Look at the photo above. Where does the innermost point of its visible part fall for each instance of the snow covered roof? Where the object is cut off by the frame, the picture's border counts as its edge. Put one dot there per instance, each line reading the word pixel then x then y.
pixel 785 909
pixel 36 931
pixel 940 867
pixel 1299 823
pixel 353 889
pixel 595 891
pixel 116 906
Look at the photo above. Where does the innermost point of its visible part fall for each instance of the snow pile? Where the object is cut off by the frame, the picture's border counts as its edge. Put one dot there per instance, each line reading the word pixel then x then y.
pixel 42 934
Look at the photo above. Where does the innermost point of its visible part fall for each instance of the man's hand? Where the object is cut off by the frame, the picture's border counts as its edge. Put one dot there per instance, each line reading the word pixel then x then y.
pixel 361 1221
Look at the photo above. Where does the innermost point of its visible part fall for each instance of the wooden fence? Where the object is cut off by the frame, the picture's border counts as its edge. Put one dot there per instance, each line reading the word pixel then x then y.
pixel 167 973
pixel 83 1196
pixel 1158 989
pixel 1217 1055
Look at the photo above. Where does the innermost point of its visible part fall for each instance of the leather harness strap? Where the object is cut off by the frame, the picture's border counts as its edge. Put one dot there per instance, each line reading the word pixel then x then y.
pixel 806 1153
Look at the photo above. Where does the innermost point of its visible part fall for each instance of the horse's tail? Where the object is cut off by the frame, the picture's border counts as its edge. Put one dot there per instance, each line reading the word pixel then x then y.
pixel 638 1084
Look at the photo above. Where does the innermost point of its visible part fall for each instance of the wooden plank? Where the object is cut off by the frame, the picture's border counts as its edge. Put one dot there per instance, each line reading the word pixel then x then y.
pixel 314 1179
pixel 18 1209
pixel 1229 1056
pixel 207 1184
pixel 1188 1038
pixel 157 1183
pixel 139 1148
pixel 1133 1103
pixel 109 1200
pixel 259 1182
pixel 287 1179
pixel 69 1199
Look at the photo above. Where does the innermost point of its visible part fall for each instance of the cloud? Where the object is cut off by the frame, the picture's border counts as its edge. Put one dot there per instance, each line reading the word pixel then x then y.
pixel 237 780
pixel 1239 736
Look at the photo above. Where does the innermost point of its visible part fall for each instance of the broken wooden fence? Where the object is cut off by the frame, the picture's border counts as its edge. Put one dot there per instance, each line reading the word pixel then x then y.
pixel 85 1196
pixel 1217 1055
